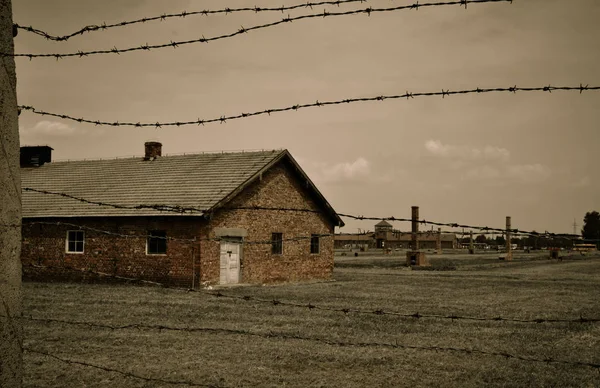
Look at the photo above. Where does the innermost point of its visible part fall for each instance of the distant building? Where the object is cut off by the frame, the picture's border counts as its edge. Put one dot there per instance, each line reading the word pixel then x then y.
pixel 386 237
pixel 383 226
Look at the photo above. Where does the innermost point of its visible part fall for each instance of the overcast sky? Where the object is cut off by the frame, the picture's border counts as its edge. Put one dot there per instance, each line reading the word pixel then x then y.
pixel 471 159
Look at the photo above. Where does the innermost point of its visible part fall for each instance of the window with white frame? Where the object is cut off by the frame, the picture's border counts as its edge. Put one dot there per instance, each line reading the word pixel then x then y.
pixel 157 242
pixel 314 243
pixel 75 241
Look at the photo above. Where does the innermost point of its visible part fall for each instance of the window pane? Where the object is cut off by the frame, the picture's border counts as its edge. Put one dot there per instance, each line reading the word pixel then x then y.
pixel 314 243
pixel 157 242
pixel 277 243
pixel 75 240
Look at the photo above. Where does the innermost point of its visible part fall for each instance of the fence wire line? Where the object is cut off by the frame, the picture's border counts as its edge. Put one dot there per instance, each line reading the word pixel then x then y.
pixel 121 372
pixel 330 342
pixel 223 119
pixel 167 238
pixel 345 310
pixel 184 14
pixel 147 47
pixel 426 233
pixel 181 209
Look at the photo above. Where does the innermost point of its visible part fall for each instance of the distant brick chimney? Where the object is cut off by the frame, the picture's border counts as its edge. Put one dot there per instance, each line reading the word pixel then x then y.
pixel 153 150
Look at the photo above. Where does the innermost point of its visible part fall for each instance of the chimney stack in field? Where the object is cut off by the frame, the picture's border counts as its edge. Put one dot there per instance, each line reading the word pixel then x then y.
pixel 153 150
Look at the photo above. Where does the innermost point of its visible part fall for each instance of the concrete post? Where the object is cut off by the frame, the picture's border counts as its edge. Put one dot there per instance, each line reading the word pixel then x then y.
pixel 415 228
pixel 471 247
pixel 11 334
pixel 438 242
pixel 508 242
pixel 414 257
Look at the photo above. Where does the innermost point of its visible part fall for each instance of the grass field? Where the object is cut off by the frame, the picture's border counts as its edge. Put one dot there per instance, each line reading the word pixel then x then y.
pixel 239 343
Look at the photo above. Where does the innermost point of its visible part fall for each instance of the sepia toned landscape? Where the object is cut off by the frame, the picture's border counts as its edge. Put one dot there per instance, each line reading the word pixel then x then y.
pixel 171 337
pixel 335 193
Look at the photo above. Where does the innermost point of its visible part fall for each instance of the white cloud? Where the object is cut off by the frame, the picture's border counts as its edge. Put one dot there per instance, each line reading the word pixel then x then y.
pixel 345 171
pixel 51 132
pixel 483 172
pixel 359 168
pixel 500 175
pixel 439 149
pixel 51 128
pixel 529 172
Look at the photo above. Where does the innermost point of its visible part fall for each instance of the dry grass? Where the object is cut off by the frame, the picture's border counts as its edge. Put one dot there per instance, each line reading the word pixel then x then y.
pixel 528 288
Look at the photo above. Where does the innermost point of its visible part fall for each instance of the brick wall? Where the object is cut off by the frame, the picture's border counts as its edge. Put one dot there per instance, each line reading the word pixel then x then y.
pixel 44 246
pixel 277 188
pixel 44 255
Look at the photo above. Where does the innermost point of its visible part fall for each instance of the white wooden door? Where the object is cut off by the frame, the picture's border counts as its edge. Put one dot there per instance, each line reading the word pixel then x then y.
pixel 230 262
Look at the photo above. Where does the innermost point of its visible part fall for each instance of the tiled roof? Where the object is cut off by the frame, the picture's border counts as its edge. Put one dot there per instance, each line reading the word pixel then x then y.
pixel 383 223
pixel 199 181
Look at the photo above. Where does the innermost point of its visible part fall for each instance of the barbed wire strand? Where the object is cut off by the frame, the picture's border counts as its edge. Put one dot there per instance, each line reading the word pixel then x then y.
pixel 426 234
pixel 147 47
pixel 121 372
pixel 181 240
pixel 345 310
pixel 223 119
pixel 395 345
pixel 226 11
pixel 181 209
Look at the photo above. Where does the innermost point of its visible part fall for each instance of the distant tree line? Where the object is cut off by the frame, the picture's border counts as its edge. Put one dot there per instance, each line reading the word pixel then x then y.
pixel 590 234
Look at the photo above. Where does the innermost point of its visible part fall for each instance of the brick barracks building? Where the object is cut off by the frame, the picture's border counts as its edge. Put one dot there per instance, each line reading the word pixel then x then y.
pixel 225 242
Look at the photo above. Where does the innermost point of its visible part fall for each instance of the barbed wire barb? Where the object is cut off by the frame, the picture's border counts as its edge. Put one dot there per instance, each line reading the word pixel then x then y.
pixel 224 118
pixel 165 16
pixel 190 209
pixel 287 336
pixel 146 47
pixel 119 371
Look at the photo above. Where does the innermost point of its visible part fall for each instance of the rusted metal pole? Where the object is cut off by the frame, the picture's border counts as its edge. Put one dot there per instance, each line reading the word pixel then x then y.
pixel 508 242
pixel 415 228
pixel 11 332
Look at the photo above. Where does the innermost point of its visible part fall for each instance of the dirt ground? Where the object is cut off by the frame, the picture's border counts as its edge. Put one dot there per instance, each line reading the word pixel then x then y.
pixel 199 339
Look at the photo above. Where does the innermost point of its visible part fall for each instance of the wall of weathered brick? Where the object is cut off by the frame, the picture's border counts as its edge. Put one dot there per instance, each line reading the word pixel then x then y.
pixel 44 255
pixel 279 187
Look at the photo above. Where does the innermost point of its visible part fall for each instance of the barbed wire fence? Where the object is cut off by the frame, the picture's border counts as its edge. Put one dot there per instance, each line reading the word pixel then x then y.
pixel 226 11
pixel 276 302
pixel 119 371
pixel 242 30
pixel 166 208
pixel 223 119
pixel 326 341
pixel 346 310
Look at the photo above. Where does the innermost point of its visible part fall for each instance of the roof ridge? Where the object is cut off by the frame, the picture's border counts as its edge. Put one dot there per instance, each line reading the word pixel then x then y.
pixel 221 152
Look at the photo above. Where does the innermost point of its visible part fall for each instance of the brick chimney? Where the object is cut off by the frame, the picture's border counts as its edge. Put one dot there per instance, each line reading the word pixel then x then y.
pixel 153 150
pixel 35 156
